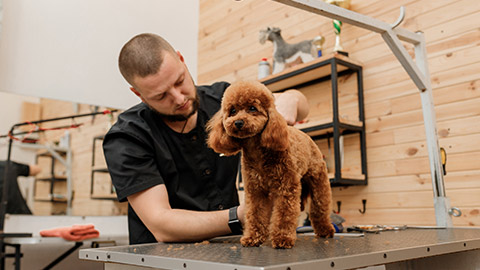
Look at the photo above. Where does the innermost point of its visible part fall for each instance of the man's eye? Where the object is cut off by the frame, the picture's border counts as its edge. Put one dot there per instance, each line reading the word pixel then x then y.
pixel 180 82
pixel 252 109
pixel 233 111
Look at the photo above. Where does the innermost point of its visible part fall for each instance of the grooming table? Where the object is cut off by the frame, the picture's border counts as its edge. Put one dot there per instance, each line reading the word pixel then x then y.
pixel 439 247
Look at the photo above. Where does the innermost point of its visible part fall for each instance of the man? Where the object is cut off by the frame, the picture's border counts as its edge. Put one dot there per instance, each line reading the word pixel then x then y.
pixel 16 204
pixel 177 188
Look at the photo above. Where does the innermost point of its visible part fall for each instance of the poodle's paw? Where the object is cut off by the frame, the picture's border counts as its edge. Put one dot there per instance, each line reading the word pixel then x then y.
pixel 248 241
pixel 283 242
pixel 326 231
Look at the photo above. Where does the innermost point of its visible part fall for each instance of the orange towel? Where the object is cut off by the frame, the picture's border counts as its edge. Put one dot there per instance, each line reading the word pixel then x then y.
pixel 73 233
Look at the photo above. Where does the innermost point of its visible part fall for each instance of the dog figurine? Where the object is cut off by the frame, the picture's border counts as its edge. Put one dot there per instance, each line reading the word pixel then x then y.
pixel 281 166
pixel 285 53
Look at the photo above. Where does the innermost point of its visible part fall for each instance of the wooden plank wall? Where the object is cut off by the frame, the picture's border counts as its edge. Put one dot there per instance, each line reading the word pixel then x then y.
pixel 399 189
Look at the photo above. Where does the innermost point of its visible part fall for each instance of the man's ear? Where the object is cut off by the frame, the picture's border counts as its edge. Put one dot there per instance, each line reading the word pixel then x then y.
pixel 180 56
pixel 135 91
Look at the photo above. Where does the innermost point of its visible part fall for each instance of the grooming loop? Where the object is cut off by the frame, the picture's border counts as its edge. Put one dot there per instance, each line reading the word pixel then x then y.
pixel 400 18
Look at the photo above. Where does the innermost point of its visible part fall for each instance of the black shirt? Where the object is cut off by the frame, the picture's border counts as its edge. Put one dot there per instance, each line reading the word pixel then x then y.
pixel 16 204
pixel 142 151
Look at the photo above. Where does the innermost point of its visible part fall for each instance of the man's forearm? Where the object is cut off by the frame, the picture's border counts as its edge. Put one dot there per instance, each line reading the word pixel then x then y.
pixel 178 225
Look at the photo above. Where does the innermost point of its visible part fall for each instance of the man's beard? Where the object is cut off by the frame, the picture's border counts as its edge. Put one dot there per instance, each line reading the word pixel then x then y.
pixel 179 117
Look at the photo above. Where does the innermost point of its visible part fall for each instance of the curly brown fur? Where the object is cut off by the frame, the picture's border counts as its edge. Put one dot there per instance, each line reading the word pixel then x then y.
pixel 281 166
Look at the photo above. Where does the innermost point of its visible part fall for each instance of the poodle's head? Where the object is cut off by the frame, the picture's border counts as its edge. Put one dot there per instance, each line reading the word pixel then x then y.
pixel 248 110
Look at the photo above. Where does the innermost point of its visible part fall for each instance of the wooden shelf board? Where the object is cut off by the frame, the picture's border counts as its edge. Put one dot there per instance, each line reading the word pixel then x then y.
pixel 60 150
pixel 348 176
pixel 49 178
pixel 99 169
pixel 49 199
pixel 319 122
pixel 104 196
pixel 306 76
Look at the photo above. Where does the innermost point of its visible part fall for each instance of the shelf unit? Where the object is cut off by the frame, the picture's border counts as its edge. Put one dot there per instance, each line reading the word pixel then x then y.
pixel 99 170
pixel 52 178
pixel 330 67
pixel 64 156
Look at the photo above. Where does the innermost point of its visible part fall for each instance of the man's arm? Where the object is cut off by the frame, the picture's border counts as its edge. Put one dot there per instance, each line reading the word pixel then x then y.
pixel 34 169
pixel 177 225
pixel 292 105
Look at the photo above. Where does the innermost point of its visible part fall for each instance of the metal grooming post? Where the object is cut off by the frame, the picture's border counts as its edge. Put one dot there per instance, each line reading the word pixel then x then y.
pixel 418 72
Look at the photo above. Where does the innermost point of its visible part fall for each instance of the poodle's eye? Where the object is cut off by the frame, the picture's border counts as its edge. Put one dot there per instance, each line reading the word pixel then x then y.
pixel 233 111
pixel 252 109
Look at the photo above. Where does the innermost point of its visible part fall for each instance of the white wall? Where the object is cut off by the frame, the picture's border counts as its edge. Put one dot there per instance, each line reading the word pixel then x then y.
pixel 11 112
pixel 68 50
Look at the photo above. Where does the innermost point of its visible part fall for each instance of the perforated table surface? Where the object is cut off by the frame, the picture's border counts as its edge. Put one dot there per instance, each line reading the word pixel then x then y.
pixel 340 252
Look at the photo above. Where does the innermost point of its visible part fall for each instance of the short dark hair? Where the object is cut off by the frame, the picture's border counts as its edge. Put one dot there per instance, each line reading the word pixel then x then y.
pixel 142 56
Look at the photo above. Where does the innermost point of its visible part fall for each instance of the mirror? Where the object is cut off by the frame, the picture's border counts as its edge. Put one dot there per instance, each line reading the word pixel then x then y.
pixel 59 58
pixel 73 179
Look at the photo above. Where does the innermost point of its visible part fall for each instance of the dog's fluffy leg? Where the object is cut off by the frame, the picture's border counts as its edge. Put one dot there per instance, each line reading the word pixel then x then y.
pixel 278 67
pixel 320 203
pixel 286 209
pixel 259 209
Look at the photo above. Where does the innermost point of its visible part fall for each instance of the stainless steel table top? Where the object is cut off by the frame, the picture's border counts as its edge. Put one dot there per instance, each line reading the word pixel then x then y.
pixel 310 252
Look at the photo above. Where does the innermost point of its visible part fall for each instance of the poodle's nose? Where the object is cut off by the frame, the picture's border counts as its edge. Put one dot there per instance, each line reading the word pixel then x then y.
pixel 239 124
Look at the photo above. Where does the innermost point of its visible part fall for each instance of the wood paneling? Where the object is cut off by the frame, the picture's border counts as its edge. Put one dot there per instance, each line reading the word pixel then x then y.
pixel 399 189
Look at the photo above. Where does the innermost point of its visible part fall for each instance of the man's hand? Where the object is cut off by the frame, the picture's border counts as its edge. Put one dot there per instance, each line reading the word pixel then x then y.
pixel 241 214
pixel 292 105
pixel 34 169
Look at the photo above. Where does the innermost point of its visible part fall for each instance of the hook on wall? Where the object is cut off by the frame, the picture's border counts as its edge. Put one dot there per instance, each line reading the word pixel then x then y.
pixel 364 202
pixel 339 203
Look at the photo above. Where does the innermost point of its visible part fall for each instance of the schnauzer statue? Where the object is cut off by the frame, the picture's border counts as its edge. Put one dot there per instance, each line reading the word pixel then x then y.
pixel 285 54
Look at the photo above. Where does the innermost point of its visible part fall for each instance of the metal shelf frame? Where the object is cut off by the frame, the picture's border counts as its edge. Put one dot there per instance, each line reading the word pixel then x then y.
pixel 64 156
pixel 94 170
pixel 336 124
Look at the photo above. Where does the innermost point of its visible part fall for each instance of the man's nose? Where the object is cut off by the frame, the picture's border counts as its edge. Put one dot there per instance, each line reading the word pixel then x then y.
pixel 177 96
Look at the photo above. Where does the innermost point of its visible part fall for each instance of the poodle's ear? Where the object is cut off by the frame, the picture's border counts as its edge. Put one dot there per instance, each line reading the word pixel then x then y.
pixel 275 134
pixel 218 139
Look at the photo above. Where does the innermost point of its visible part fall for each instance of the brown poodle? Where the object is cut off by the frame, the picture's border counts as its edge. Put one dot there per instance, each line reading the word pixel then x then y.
pixel 281 166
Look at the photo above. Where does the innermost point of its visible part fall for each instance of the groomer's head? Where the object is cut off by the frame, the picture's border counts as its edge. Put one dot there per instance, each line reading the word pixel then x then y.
pixel 158 75
pixel 142 56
